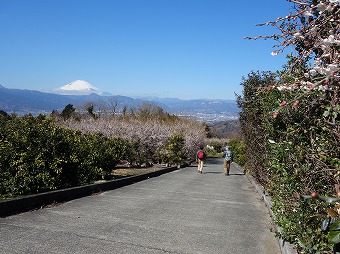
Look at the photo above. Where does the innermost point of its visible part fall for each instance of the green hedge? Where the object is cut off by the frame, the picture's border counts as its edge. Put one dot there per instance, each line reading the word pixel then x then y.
pixel 292 150
pixel 36 156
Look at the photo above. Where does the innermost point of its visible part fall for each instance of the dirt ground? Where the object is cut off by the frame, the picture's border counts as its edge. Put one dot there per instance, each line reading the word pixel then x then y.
pixel 125 171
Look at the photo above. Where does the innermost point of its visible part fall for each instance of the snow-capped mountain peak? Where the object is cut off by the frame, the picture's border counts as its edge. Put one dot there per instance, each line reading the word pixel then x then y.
pixel 78 87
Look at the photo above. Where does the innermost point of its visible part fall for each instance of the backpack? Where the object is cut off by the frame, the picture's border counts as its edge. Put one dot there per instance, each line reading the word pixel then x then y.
pixel 200 155
pixel 228 155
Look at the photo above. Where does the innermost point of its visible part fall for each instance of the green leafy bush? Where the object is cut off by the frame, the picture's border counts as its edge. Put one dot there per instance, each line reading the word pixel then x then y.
pixel 292 149
pixel 36 156
pixel 218 146
pixel 238 149
pixel 172 152
pixel 211 152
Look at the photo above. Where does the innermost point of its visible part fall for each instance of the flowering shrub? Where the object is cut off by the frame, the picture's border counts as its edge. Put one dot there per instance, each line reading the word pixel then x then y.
pixel 149 134
pixel 291 120
pixel 313 31
pixel 255 109
pixel 291 154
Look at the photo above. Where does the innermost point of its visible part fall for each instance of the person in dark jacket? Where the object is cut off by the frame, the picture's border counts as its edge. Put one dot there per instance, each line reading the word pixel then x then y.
pixel 228 158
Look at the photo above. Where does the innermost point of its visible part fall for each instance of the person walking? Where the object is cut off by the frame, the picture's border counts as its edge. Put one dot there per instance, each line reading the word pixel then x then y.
pixel 228 158
pixel 200 158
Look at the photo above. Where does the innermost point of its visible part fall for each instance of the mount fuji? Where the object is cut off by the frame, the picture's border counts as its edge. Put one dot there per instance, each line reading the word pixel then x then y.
pixel 78 87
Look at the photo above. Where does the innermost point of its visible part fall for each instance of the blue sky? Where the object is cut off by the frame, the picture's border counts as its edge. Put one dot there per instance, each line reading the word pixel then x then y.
pixel 187 49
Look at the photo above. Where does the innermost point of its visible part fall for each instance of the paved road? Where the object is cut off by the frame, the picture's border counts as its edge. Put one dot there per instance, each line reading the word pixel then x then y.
pixel 178 212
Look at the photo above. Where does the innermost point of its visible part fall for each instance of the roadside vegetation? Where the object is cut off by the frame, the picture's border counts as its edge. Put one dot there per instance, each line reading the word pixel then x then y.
pixel 68 149
pixel 80 146
pixel 290 122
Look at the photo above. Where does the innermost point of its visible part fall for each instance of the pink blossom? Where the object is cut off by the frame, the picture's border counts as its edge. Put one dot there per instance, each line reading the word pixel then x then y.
pixel 282 104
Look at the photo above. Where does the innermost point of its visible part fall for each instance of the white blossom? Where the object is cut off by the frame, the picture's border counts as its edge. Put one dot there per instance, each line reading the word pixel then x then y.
pixel 298 36
pixel 308 13
pixel 321 7
pixel 312 72
pixel 331 40
pixel 321 36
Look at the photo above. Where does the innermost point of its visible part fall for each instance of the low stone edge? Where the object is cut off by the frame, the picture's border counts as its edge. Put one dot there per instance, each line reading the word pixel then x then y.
pixel 37 201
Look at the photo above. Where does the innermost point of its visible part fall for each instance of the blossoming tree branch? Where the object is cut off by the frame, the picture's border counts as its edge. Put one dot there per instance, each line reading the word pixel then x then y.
pixel 312 30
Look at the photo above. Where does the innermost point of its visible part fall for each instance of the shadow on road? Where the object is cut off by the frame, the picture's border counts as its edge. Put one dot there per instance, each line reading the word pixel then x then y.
pixel 213 161
pixel 237 174
pixel 212 172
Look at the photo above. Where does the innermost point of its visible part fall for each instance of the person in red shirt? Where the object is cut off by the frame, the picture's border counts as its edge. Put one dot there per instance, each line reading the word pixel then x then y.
pixel 200 158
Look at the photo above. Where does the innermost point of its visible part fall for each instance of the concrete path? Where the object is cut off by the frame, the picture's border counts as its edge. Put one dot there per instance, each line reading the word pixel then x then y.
pixel 178 212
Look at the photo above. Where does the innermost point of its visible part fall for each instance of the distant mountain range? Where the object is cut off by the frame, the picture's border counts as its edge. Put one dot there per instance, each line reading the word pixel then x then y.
pixel 80 92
